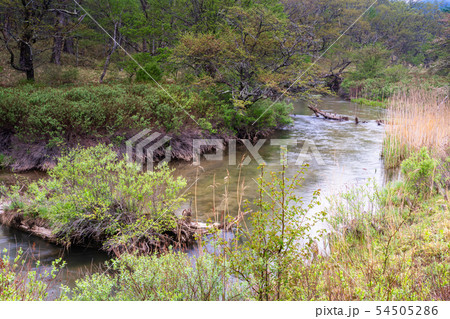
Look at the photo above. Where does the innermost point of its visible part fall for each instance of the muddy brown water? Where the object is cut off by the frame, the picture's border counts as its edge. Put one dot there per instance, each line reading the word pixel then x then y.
pixel 351 154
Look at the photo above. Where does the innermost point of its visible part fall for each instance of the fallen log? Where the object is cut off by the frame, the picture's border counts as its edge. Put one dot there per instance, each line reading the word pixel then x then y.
pixel 326 115
pixel 336 117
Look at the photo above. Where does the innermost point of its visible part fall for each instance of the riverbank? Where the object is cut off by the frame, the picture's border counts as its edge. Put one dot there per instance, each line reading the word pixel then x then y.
pixel 19 155
pixel 39 123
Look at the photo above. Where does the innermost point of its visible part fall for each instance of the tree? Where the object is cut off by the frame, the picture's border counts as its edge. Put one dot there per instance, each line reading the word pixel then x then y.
pixel 24 20
pixel 111 15
pixel 440 50
pixel 62 27
pixel 255 53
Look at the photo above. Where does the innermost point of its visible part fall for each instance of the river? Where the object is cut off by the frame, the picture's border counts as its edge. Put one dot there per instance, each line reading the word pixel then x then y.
pixel 347 154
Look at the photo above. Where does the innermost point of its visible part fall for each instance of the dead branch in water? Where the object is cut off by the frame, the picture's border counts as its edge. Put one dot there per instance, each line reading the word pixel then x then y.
pixel 336 117
pixel 326 115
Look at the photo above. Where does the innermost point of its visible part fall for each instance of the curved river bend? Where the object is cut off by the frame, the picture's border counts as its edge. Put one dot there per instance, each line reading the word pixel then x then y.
pixel 350 154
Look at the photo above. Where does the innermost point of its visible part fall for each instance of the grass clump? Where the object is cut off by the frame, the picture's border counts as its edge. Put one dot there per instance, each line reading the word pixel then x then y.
pixel 393 247
pixel 367 102
pixel 422 175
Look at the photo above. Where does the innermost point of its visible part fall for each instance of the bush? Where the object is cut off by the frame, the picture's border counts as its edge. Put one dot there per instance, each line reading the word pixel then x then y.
pixel 92 197
pixel 374 78
pixel 369 102
pixel 420 174
pixel 151 64
pixel 46 113
pixel 171 276
pixel 152 73
pixel 5 160
pixel 281 236
pixel 19 283
pixel 55 113
pixel 265 116
pixel 395 73
pixel 371 61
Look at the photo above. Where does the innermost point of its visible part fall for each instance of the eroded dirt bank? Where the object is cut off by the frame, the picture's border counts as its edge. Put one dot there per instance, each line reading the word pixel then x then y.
pixel 20 154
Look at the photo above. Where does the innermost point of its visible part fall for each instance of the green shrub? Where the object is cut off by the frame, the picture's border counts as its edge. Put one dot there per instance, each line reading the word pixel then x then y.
pixel 46 113
pixel 369 102
pixel 373 77
pixel 18 282
pixel 171 276
pixel 281 236
pixel 395 73
pixel 93 197
pixel 151 64
pixel 51 114
pixel 420 174
pixel 152 73
pixel 3 190
pixel 258 117
pixel 371 61
pixel 5 160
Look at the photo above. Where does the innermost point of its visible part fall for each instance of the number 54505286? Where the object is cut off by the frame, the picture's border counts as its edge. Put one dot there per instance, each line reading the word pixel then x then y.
pixel 407 310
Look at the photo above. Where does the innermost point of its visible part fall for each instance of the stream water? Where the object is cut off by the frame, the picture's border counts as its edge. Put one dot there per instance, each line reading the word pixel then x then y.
pixel 347 154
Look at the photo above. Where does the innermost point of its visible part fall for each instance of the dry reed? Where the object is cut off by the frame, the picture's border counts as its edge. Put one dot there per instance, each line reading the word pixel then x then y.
pixel 414 120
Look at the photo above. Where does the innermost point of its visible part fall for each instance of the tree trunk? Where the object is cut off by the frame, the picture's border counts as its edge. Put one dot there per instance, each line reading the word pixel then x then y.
pixel 116 40
pixel 68 46
pixel 26 60
pixel 144 46
pixel 58 38
pixel 26 54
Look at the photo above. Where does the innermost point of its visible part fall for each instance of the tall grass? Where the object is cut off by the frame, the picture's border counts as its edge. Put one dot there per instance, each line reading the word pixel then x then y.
pixel 415 120
pixel 381 247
